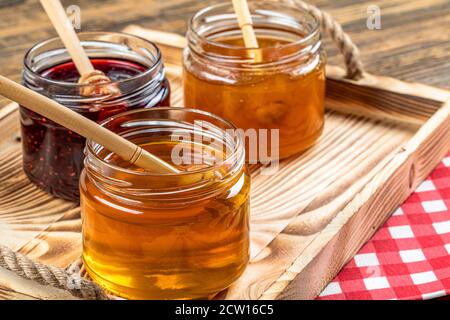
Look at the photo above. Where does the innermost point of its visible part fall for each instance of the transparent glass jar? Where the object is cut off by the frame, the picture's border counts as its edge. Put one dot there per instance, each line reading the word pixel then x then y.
pixel 52 155
pixel 280 86
pixel 167 236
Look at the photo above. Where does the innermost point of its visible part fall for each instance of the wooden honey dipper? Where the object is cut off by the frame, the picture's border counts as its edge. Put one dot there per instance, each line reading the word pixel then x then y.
pixel 83 126
pixel 94 82
pixel 245 23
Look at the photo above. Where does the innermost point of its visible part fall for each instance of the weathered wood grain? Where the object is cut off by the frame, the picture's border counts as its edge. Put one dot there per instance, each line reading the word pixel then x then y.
pixel 413 43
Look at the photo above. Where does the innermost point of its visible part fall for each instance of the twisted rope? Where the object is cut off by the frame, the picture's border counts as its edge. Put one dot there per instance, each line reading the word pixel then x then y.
pixel 348 49
pixel 50 276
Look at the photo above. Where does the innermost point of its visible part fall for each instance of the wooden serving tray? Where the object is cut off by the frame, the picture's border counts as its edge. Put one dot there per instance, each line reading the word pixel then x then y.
pixel 382 138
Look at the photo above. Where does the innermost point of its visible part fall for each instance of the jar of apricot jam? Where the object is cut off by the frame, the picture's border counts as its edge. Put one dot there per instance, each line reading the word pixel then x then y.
pixel 278 86
pixel 52 155
pixel 167 236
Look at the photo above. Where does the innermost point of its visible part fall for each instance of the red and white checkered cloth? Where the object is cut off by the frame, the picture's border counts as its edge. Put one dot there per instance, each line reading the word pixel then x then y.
pixel 409 257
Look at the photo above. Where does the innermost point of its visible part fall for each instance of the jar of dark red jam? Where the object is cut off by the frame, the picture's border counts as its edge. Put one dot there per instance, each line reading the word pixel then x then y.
pixel 278 87
pixel 53 155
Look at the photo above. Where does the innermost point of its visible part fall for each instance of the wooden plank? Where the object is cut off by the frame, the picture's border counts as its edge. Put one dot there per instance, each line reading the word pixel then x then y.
pixel 413 42
pixel 360 219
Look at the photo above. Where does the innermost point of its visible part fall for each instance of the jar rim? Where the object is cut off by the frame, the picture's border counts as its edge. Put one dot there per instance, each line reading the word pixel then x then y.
pixel 238 153
pixel 313 33
pixel 149 71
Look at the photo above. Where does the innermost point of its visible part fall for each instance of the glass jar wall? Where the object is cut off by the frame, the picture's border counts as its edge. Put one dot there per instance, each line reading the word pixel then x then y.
pixel 280 85
pixel 167 236
pixel 52 155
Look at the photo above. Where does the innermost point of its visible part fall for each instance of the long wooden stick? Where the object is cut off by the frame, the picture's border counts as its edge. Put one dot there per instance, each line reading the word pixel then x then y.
pixel 245 23
pixel 83 126
pixel 63 26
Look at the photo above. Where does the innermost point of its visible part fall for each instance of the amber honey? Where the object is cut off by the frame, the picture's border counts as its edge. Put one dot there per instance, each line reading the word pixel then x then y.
pixel 280 85
pixel 174 236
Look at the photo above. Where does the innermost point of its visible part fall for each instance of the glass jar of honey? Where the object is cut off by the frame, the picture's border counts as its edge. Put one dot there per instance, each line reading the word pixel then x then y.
pixel 167 236
pixel 278 86
pixel 53 155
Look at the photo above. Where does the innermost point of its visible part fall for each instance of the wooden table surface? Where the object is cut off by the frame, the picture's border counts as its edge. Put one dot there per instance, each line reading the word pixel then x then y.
pixel 413 43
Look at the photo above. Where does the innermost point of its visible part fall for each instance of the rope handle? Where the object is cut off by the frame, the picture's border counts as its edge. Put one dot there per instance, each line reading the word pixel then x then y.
pixel 70 279
pixel 50 275
pixel 346 46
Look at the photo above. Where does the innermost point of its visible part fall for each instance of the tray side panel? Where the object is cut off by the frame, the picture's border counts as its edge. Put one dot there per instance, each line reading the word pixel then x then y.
pixel 343 237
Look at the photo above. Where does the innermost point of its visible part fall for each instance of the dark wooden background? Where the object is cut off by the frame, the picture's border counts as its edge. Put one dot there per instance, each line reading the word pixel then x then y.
pixel 413 43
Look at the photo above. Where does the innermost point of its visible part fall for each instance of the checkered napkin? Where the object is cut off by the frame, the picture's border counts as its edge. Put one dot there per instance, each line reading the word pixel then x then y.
pixel 409 257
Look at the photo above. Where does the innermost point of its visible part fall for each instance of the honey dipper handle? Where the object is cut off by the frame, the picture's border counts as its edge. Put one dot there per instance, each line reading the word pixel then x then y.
pixel 245 23
pixel 63 26
pixel 83 126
